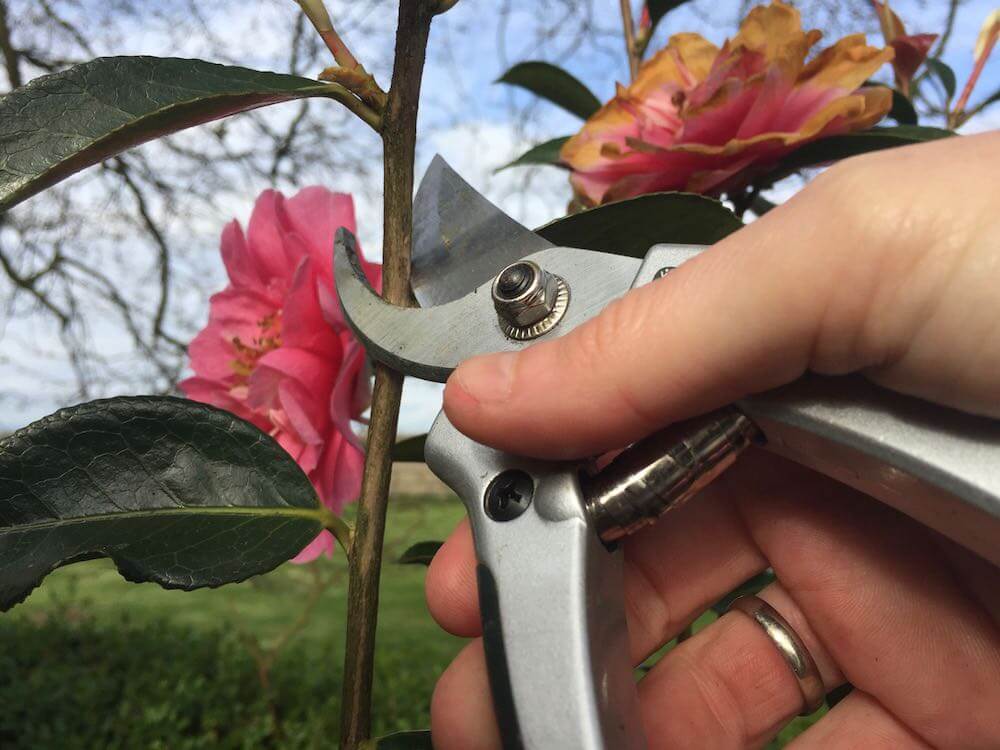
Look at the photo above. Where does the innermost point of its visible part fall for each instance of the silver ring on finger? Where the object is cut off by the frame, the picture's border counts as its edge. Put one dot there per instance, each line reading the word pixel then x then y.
pixel 789 645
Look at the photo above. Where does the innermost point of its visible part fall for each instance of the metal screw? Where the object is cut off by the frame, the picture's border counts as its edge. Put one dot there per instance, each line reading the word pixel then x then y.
pixel 509 495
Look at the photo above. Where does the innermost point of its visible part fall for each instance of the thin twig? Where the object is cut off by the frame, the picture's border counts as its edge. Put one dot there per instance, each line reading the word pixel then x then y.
pixel 120 166
pixel 28 284
pixel 949 27
pixel 352 73
pixel 957 115
pixel 11 57
pixel 399 134
pixel 353 103
pixel 630 49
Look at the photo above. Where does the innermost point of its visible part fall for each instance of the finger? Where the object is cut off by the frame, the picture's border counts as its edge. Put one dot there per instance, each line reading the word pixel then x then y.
pixel 461 710
pixel 728 686
pixel 673 571
pixel 885 604
pixel 450 587
pixel 863 270
pixel 979 578
pixel 858 721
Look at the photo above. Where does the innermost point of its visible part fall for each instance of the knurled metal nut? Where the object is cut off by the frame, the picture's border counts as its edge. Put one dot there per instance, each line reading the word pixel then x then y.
pixel 534 311
pixel 536 305
pixel 546 324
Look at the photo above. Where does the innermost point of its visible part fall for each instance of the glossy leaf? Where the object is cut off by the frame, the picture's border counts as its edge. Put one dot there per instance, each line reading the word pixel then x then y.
pixel 902 110
pixel 543 153
pixel 659 8
pixel 631 227
pixel 554 84
pixel 61 123
pixel 943 72
pixel 413 740
pixel 991 99
pixel 173 491
pixel 839 147
pixel 420 553
pixel 410 450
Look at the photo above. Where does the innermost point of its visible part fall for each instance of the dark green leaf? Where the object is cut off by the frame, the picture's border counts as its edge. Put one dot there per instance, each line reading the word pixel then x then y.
pixel 555 84
pixel 839 147
pixel 410 450
pixel 991 99
pixel 62 123
pixel 415 740
pixel 543 153
pixel 420 553
pixel 173 491
pixel 659 8
pixel 631 227
pixel 943 73
pixel 761 205
pixel 902 109
pixel 754 586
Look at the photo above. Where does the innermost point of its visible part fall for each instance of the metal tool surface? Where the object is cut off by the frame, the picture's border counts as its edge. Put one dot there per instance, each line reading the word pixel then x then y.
pixel 460 239
pixel 550 590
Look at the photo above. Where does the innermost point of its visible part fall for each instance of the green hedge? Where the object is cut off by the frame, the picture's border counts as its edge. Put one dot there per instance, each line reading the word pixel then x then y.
pixel 131 686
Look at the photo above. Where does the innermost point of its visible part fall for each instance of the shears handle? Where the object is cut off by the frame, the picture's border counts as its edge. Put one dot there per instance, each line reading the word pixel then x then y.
pixel 550 595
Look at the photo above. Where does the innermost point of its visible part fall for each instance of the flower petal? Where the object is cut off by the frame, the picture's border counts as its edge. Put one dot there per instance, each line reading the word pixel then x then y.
pixel 324 544
pixel 315 214
pixel 846 65
pixel 304 325
pixel 338 477
pixel 236 256
pixel 314 373
pixel 266 240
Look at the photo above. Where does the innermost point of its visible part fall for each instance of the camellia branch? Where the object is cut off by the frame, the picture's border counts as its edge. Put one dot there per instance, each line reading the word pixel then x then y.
pixel 630 45
pixel 988 41
pixel 399 135
pixel 348 72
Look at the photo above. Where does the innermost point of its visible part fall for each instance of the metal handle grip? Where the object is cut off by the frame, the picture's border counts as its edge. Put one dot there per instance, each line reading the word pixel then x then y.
pixel 664 470
pixel 551 599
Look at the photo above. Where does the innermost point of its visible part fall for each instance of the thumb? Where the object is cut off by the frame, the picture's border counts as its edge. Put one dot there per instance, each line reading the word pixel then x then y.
pixel 856 272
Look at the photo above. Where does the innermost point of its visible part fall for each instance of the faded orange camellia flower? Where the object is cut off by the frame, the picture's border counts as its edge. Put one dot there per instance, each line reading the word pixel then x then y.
pixel 705 119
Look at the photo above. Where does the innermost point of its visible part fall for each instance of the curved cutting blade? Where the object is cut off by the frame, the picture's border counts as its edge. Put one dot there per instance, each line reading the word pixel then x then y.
pixel 430 342
pixel 460 239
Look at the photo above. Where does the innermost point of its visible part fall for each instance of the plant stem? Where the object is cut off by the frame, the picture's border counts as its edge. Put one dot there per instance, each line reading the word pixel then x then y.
pixel 956 117
pixel 365 113
pixel 399 135
pixel 630 49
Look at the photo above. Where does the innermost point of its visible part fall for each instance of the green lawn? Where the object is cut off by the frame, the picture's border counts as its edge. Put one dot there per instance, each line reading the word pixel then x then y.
pixel 92 662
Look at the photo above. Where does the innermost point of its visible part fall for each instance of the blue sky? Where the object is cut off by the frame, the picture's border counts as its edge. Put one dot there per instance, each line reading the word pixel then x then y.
pixel 478 125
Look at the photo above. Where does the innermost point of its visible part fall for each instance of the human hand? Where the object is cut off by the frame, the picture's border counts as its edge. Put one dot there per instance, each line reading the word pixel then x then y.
pixel 887 265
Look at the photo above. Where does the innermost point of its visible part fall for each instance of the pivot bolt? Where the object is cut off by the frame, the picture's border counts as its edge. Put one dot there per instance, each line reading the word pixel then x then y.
pixel 515 280
pixel 509 495
pixel 528 300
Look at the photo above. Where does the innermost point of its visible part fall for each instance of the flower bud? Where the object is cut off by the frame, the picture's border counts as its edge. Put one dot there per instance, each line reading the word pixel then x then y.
pixel 316 12
pixel 990 28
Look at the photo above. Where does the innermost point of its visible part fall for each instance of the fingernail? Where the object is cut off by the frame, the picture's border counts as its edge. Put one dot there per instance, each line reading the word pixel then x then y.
pixel 487 379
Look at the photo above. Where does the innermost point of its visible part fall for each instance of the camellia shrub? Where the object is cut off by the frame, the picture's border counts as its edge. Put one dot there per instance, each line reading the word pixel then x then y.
pixel 254 468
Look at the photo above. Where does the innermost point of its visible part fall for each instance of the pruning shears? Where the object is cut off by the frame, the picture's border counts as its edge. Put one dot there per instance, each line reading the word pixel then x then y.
pixel 546 533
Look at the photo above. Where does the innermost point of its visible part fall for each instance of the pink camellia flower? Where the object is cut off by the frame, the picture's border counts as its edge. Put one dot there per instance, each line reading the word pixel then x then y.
pixel 706 120
pixel 277 351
